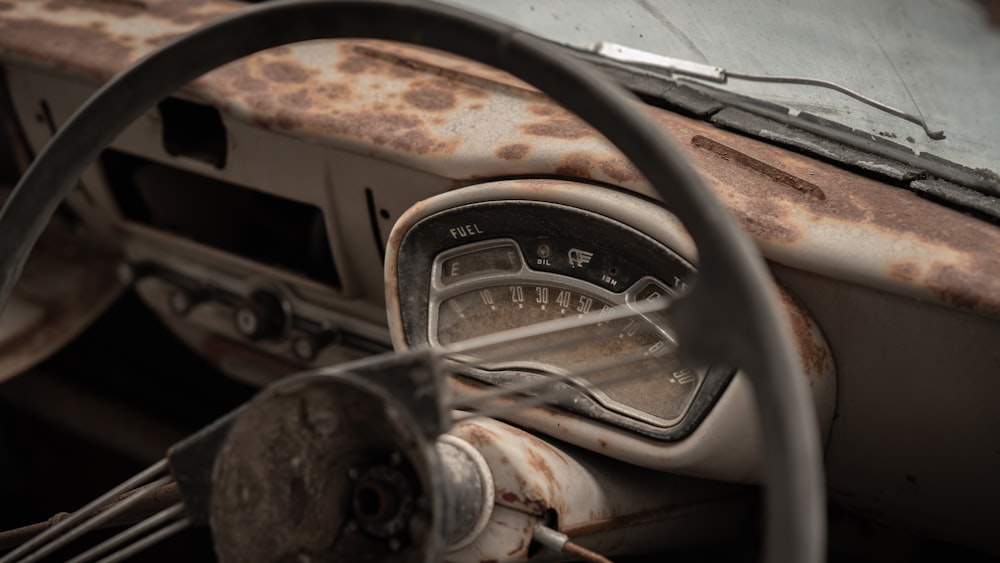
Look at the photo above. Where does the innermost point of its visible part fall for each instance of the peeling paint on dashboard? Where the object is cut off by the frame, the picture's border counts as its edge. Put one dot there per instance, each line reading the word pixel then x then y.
pixel 466 122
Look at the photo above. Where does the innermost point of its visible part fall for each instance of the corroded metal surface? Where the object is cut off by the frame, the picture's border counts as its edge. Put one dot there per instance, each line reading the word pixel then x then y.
pixel 322 467
pixel 463 121
pixel 584 493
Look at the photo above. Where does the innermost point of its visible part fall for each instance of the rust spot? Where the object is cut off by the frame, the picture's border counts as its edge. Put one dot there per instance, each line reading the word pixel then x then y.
pixel 277 118
pixel 125 8
pixel 515 151
pixel 358 60
pixel 476 107
pixel 182 12
pixel 567 128
pixel 357 64
pixel 401 71
pixel 814 355
pixel 458 83
pixel 430 98
pixel 520 546
pixel 759 205
pixel 237 76
pixel 603 443
pixel 529 505
pixel 766 208
pixel 758 166
pixel 481 437
pixel 539 464
pixel 521 483
pixel 336 92
pixel 286 72
pixel 577 165
pixel 189 11
pixel 545 111
pixel 429 61
pixel 906 271
pixel 951 285
pixel 472 92
pixel 620 170
pixel 456 78
pixel 250 84
pixel 298 99
pixel 161 40
pixel 765 226
pixel 92 51
pixel 395 130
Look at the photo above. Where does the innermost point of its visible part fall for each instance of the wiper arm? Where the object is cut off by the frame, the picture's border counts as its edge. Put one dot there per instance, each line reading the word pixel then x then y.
pixel 720 75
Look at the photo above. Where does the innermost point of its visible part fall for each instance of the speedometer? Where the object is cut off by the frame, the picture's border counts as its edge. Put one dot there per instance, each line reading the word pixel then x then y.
pixel 492 267
pixel 493 299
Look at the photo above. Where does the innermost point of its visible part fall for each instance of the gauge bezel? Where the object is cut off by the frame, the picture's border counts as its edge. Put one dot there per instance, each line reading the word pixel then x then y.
pixel 525 220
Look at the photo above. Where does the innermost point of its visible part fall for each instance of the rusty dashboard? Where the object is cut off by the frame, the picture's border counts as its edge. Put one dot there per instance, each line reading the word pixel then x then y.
pixel 326 201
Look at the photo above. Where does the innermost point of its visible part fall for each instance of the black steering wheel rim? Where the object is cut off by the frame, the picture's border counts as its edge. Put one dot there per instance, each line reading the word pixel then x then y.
pixel 732 299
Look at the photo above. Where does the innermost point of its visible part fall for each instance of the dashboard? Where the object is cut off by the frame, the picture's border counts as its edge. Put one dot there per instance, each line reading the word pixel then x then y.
pixel 484 263
pixel 324 202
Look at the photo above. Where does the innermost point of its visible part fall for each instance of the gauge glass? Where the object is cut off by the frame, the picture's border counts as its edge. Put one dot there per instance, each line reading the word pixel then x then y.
pixel 626 364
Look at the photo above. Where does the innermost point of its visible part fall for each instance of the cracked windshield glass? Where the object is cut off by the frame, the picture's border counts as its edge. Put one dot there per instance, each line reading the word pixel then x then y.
pixel 887 67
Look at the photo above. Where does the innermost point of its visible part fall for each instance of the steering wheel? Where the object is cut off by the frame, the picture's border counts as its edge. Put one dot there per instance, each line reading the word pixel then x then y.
pixel 730 316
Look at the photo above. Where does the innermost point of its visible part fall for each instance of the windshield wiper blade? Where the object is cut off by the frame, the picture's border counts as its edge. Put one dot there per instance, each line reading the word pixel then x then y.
pixel 720 75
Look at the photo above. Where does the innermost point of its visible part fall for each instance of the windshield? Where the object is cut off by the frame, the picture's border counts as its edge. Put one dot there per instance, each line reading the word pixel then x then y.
pixel 937 60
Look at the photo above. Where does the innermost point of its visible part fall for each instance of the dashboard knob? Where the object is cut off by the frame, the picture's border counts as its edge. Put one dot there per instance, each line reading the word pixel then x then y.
pixel 261 316
pixel 181 301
